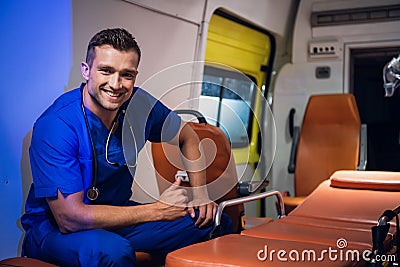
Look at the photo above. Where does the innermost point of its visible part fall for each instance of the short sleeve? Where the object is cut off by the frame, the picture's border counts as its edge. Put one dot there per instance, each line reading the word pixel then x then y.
pixel 165 123
pixel 149 119
pixel 54 158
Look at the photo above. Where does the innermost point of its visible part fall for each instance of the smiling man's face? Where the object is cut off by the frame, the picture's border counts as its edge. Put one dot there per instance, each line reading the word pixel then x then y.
pixel 111 78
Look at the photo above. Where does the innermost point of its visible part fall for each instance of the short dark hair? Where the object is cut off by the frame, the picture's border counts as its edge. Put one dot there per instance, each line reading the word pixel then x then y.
pixel 120 39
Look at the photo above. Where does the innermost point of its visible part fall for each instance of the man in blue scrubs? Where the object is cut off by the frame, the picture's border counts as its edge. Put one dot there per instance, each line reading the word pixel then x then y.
pixel 78 211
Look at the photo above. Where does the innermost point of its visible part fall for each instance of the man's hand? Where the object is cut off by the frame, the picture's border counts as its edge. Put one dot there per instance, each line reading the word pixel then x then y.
pixel 173 202
pixel 207 210
pixel 195 165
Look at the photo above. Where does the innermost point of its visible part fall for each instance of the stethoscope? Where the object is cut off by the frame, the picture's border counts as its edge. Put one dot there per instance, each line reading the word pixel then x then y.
pixel 93 192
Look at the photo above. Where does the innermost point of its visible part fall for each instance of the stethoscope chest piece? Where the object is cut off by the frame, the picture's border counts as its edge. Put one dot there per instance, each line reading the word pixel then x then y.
pixel 92 193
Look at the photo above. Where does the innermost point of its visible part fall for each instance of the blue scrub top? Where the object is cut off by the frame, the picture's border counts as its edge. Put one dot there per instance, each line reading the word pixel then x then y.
pixel 61 153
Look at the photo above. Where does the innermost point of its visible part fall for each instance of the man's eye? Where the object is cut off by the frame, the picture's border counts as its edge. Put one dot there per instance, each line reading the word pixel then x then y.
pixel 105 71
pixel 128 76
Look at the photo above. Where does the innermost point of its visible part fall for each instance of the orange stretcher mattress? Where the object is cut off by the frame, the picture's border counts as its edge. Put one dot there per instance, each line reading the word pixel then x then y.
pixel 239 250
pixel 337 216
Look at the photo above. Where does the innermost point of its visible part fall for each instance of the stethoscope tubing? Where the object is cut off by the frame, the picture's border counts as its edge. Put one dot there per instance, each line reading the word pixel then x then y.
pixel 93 192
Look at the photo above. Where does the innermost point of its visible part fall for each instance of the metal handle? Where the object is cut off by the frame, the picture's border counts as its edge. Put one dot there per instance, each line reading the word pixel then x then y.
pixel 236 201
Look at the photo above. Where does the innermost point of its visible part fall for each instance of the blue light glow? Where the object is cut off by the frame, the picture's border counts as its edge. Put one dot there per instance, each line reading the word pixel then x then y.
pixel 36 55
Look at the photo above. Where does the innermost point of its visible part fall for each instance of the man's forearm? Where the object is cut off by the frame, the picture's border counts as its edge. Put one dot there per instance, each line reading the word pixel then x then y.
pixel 73 215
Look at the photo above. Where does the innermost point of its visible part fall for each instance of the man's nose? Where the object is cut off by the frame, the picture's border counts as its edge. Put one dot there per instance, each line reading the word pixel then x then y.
pixel 115 81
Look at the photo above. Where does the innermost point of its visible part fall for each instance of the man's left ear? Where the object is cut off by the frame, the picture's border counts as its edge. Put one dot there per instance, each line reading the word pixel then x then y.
pixel 85 69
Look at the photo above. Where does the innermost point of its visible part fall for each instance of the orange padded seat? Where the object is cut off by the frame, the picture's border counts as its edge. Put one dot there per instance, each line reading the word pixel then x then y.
pixel 362 206
pixel 327 234
pixel 346 206
pixel 329 141
pixel 240 250
pixel 143 260
pixel 26 262
pixel 374 180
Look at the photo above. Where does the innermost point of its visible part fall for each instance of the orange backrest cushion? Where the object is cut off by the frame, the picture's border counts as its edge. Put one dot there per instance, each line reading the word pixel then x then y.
pixel 329 140
pixel 220 172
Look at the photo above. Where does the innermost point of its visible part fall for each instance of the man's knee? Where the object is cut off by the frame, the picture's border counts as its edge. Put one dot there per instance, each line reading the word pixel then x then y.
pixel 114 253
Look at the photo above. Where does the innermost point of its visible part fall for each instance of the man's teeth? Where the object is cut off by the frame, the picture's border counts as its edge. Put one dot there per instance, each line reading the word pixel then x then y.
pixel 112 94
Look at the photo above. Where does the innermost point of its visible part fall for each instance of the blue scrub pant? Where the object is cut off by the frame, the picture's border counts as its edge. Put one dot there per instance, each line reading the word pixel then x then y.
pixel 99 247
